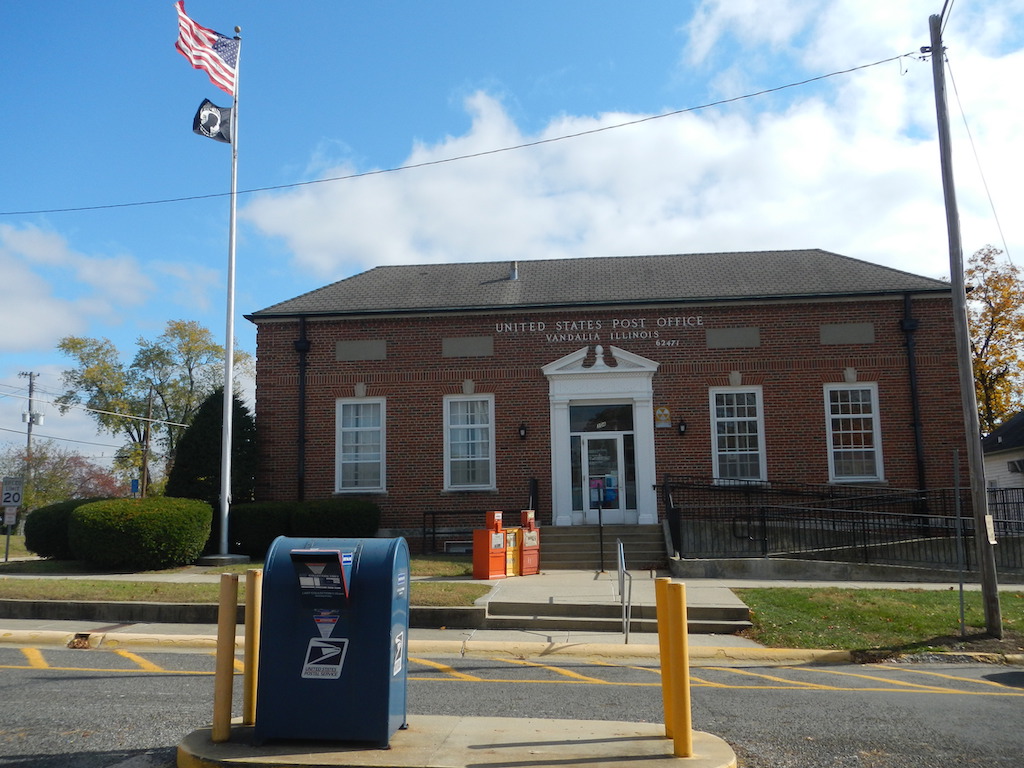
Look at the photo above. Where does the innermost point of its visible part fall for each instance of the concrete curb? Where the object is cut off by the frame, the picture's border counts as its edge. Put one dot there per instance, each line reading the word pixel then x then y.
pixel 109 640
pixel 512 649
pixel 434 741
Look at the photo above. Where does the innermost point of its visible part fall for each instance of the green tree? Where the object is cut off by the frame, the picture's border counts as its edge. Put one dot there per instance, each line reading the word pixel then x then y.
pixel 995 309
pixel 196 473
pixel 151 400
pixel 58 474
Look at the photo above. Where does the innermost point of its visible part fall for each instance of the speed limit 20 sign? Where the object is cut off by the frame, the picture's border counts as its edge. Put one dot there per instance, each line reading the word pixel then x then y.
pixel 13 487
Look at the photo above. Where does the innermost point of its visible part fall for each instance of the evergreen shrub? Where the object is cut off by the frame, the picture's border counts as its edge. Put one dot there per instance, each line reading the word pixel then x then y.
pixel 46 529
pixel 253 527
pixel 342 518
pixel 140 534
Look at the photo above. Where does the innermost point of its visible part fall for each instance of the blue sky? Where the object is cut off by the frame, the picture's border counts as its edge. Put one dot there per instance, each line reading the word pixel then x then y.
pixel 100 104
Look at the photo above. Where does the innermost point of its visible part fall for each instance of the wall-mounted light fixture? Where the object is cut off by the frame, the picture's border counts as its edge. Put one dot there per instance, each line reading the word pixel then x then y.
pixel 522 431
pixel 682 427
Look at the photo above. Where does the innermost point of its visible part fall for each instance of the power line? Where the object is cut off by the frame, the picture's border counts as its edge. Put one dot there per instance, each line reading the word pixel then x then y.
pixel 62 439
pixel 64 406
pixel 977 161
pixel 457 158
pixel 947 10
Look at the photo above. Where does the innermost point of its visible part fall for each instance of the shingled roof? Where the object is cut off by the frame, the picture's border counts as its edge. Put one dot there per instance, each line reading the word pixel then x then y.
pixel 602 281
pixel 1007 436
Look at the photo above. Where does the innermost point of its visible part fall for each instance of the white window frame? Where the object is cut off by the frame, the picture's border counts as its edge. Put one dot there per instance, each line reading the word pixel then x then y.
pixel 713 394
pixel 876 433
pixel 339 462
pixel 491 483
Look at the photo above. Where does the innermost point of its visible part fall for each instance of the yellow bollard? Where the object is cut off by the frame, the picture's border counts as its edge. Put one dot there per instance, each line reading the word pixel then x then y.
pixel 224 673
pixel 679 651
pixel 251 660
pixel 661 608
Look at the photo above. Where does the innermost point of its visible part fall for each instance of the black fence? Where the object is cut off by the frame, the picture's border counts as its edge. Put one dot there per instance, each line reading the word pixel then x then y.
pixel 933 529
pixel 451 531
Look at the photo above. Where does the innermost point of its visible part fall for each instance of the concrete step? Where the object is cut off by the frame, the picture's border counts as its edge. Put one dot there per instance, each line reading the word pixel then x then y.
pixel 579 547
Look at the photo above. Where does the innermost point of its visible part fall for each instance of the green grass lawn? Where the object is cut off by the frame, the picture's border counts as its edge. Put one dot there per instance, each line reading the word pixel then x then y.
pixel 13 545
pixel 440 593
pixel 833 618
pixel 851 619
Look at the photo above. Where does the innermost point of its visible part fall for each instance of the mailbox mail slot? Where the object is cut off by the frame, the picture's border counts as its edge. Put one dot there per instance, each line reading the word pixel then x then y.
pixel 334 640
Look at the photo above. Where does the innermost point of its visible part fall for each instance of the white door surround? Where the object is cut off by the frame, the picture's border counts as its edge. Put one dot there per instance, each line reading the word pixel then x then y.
pixel 626 378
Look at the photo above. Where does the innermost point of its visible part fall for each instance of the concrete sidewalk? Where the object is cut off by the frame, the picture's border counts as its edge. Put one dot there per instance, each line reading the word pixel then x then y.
pixel 548 588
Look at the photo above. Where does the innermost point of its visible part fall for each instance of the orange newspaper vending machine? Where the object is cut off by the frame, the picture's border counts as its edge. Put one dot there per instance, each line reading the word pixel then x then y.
pixel 529 548
pixel 489 549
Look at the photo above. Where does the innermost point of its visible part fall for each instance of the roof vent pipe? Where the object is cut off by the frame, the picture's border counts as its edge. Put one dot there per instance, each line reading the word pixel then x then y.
pixel 514 274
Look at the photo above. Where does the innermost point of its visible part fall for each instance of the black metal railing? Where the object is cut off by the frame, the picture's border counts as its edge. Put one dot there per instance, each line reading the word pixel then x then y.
pixel 935 528
pixel 454 527
pixel 441 529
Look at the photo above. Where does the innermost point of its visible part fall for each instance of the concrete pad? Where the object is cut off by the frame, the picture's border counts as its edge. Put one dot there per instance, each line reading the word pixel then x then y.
pixel 465 742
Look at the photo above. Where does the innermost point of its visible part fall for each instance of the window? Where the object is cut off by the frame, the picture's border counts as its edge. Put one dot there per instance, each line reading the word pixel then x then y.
pixel 855 446
pixel 737 433
pixel 469 443
pixel 360 445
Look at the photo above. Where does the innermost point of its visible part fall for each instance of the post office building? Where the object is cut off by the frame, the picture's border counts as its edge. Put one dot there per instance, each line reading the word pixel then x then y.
pixel 574 385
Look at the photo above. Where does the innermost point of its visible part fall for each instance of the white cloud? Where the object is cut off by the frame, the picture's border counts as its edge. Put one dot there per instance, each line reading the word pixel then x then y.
pixel 51 291
pixel 191 285
pixel 849 165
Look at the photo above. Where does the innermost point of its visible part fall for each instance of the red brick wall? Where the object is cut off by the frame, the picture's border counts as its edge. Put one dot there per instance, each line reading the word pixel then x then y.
pixel 791 365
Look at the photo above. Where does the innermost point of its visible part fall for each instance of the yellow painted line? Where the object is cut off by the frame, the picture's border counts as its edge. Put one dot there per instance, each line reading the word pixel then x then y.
pixel 446 669
pixel 239 666
pixel 509 681
pixel 100 669
pixel 773 678
pixel 35 658
pixel 600 663
pixel 560 671
pixel 902 684
pixel 701 682
pixel 145 664
pixel 462 676
pixel 947 677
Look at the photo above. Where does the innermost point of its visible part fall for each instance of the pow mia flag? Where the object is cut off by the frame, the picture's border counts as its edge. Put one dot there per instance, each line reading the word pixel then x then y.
pixel 213 122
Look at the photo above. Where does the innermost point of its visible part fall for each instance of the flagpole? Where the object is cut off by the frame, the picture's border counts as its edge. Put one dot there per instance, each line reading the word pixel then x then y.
pixel 229 340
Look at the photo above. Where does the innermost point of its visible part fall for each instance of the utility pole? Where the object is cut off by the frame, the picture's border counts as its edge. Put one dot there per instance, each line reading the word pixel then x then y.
pixel 144 483
pixel 975 458
pixel 30 418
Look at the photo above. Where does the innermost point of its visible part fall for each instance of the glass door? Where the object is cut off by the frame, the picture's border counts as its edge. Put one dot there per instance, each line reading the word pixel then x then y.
pixel 603 463
pixel 603 479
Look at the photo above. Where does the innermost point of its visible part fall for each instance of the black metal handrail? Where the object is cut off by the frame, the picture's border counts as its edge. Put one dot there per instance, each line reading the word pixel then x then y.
pixel 709 519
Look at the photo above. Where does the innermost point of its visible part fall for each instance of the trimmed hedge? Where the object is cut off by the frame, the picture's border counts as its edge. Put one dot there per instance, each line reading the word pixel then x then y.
pixel 46 529
pixel 140 534
pixel 253 527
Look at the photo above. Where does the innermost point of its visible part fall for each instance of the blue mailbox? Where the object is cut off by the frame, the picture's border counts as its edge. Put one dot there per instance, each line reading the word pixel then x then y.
pixel 334 640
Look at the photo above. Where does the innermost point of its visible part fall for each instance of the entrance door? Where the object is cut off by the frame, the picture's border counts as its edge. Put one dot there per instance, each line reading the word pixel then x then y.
pixel 602 477
pixel 595 399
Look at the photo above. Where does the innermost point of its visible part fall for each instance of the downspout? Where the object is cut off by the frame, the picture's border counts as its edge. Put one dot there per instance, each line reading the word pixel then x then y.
pixel 909 326
pixel 302 347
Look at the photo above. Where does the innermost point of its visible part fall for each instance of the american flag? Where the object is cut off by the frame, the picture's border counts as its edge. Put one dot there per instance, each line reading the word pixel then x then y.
pixel 208 50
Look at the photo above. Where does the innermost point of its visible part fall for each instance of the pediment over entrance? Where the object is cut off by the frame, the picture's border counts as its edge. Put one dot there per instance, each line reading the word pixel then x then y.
pixel 621 363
